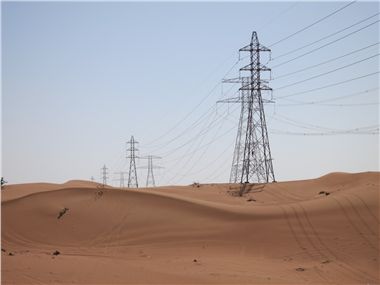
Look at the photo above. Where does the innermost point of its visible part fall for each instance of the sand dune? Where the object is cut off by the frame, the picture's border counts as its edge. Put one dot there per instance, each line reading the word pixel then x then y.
pixel 14 191
pixel 324 230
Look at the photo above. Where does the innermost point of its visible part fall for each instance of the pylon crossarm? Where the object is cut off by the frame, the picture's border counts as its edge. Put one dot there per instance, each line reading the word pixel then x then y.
pixel 246 48
pixel 232 80
pixel 230 100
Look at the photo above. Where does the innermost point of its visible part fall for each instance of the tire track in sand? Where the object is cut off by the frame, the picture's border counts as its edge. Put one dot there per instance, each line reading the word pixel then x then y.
pixel 366 206
pixel 360 217
pixel 355 272
pixel 354 226
pixel 285 215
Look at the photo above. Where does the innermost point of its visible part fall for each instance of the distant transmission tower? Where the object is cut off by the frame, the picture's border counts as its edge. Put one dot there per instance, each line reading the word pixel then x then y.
pixel 104 170
pixel 132 177
pixel 252 160
pixel 150 176
pixel 122 178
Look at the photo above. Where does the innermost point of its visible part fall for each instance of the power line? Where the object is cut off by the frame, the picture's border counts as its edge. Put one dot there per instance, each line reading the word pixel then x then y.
pixel 329 85
pixel 358 131
pixel 325 37
pixel 186 116
pixel 214 160
pixel 352 104
pixel 206 127
pixel 201 135
pixel 207 145
pixel 325 45
pixel 312 24
pixel 324 62
pixel 202 132
pixel 217 138
pixel 196 107
pixel 197 149
pixel 202 154
pixel 192 126
pixel 325 73
pixel 209 112
pixel 330 99
pixel 334 105
pixel 277 16
pixel 219 171
pixel 298 124
pixel 323 102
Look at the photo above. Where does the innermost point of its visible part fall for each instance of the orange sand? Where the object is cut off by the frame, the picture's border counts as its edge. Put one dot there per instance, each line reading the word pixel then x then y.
pixel 290 234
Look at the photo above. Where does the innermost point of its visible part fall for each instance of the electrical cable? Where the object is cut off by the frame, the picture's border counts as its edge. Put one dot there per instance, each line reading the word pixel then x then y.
pixel 324 62
pixel 185 131
pixel 222 135
pixel 312 24
pixel 327 72
pixel 325 45
pixel 335 105
pixel 196 107
pixel 196 150
pixel 196 123
pixel 213 161
pixel 203 131
pixel 298 102
pixel 357 131
pixel 276 17
pixel 298 124
pixel 329 85
pixel 202 154
pixel 325 37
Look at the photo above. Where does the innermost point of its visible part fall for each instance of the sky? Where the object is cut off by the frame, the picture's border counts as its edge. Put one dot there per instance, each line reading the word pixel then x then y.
pixel 79 79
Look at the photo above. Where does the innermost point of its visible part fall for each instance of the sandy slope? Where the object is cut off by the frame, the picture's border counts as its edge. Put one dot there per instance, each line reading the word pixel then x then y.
pixel 20 190
pixel 186 235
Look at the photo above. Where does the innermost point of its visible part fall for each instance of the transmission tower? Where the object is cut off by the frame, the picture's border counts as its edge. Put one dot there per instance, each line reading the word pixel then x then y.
pixel 104 170
pixel 252 160
pixel 150 176
pixel 132 177
pixel 122 178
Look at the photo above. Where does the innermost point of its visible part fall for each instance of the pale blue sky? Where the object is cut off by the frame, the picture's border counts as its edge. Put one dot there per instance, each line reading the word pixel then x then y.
pixel 80 78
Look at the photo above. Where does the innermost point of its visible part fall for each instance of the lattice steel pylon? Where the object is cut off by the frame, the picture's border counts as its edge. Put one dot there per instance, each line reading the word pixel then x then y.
pixel 122 178
pixel 150 181
pixel 132 177
pixel 104 170
pixel 252 159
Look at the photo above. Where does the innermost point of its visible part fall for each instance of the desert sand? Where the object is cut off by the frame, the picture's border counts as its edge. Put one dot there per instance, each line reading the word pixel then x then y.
pixel 318 231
